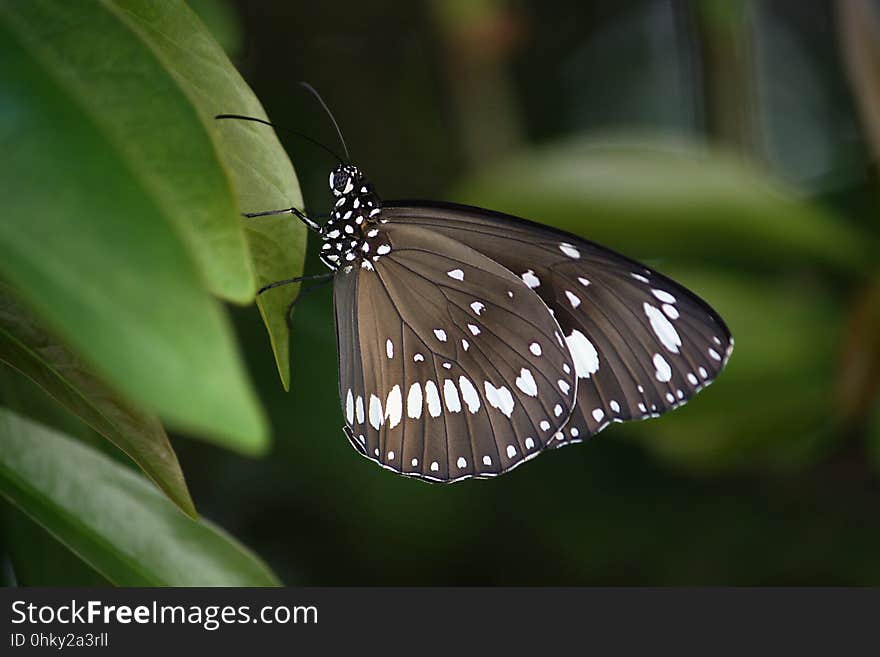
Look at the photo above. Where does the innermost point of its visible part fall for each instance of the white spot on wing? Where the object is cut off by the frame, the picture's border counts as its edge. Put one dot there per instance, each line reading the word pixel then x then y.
pixel 664 372
pixel 714 354
pixel 359 406
pixel 557 410
pixel 569 250
pixel 414 401
pixel 598 414
pixel 389 348
pixel 614 406
pixel 499 398
pixel 418 358
pixel 441 334
pixel 573 299
pixel 563 386
pixel 511 451
pixel 349 407
pixel 393 407
pixel 461 462
pixel 583 281
pixel 663 328
pixel 639 277
pixel 671 311
pixel 535 348
pixel 477 307
pixel 545 425
pixel 664 296
pixel 526 382
pixel 530 279
pixel 583 353
pixel 375 412
pixel 433 398
pixel 474 329
pixel 434 466
pixel 465 344
pixel 457 274
pixel 530 443
pixel 487 460
pixel 450 394
pixel 469 394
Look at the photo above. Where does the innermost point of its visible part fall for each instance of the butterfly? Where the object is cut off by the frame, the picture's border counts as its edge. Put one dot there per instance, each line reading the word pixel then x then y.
pixel 470 341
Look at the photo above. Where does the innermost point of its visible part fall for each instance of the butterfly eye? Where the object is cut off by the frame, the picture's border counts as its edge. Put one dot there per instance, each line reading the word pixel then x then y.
pixel 339 180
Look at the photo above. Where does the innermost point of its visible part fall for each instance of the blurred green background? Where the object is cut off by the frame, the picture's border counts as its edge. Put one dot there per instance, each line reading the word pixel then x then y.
pixel 731 145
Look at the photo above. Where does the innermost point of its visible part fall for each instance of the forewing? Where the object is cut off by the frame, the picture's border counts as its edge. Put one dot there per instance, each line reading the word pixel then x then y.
pixel 642 344
pixel 450 366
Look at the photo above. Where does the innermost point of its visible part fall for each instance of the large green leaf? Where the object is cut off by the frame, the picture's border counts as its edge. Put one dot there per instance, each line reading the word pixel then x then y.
pixel 218 169
pixel 261 174
pixel 657 197
pixel 113 518
pixel 87 238
pixel 133 97
pixel 29 348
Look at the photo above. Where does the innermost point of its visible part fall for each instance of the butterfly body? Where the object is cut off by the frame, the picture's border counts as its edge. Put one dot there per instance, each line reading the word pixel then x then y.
pixel 469 340
pixel 349 233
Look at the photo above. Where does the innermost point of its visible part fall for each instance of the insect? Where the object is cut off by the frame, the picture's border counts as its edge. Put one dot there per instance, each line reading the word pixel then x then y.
pixel 470 341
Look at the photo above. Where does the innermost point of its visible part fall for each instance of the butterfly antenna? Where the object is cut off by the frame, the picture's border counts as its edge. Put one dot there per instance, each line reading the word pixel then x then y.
pixel 293 132
pixel 315 93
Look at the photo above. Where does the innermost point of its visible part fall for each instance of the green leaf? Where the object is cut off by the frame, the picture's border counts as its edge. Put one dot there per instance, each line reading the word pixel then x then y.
pixel 29 348
pixel 113 518
pixel 87 239
pixel 261 175
pixel 658 197
pixel 37 558
pixel 219 16
pixel 134 98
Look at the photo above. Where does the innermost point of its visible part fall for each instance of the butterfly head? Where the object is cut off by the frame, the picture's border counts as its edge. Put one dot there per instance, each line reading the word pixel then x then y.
pixel 344 179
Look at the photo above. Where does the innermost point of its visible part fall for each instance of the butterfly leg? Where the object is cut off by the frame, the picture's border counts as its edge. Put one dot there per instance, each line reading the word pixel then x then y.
pixel 310 223
pixel 299 279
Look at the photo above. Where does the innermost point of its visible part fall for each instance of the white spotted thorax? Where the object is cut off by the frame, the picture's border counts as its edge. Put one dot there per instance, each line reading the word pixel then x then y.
pixel 351 238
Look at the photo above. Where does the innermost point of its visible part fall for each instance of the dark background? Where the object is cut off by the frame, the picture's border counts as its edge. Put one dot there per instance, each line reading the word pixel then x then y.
pixel 768 477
